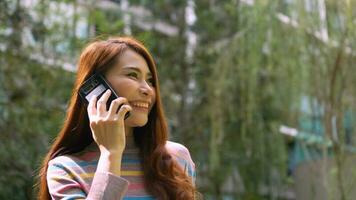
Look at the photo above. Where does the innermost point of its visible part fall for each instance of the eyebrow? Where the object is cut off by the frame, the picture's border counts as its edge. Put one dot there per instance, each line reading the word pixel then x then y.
pixel 136 69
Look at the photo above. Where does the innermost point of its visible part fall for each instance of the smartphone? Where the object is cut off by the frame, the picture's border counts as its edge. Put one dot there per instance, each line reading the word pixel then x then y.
pixel 97 85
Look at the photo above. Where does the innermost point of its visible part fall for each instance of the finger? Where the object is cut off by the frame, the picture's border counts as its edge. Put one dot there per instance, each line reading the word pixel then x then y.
pixel 101 105
pixel 115 104
pixel 91 106
pixel 123 110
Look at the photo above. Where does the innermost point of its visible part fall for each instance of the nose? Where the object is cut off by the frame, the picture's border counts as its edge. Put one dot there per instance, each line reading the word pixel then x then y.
pixel 146 89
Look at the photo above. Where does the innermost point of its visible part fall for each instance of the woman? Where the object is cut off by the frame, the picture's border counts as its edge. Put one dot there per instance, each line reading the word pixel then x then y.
pixel 99 154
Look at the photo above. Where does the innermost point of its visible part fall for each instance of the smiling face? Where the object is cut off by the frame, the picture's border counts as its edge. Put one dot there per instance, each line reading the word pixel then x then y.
pixel 131 78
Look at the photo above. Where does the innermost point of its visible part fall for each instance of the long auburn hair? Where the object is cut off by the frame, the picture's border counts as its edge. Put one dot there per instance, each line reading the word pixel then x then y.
pixel 163 177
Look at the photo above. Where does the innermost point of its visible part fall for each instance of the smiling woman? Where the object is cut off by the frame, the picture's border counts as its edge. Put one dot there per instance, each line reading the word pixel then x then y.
pixel 132 78
pixel 99 154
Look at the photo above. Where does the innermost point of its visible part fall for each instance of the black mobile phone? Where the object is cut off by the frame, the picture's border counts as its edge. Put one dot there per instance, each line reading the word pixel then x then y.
pixel 97 85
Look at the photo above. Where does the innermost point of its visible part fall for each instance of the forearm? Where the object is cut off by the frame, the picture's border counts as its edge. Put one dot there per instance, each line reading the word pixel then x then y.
pixel 110 162
pixel 107 183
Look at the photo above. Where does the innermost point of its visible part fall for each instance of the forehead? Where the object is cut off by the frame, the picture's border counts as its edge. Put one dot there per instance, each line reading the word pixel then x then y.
pixel 131 59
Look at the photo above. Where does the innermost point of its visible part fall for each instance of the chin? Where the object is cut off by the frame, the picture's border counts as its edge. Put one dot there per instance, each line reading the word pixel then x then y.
pixel 136 121
pixel 140 124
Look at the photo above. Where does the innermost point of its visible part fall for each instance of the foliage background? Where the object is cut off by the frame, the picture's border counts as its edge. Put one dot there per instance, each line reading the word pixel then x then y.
pixel 232 72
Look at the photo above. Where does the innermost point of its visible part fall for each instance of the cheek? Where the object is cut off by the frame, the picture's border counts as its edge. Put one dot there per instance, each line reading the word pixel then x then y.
pixel 122 88
pixel 153 100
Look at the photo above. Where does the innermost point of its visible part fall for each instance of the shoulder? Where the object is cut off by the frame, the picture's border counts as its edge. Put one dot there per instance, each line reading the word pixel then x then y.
pixel 181 154
pixel 179 150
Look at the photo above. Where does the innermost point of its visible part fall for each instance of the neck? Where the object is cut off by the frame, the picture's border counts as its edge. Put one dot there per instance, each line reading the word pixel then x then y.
pixel 128 131
pixel 130 142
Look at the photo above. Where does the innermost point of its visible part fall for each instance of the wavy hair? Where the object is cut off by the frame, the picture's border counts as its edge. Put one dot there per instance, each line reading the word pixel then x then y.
pixel 163 177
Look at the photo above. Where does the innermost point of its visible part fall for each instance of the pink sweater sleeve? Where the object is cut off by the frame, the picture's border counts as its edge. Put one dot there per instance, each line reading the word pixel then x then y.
pixel 67 179
pixel 107 186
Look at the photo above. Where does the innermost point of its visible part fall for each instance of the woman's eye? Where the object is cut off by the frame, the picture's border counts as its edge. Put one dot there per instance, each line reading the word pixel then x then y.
pixel 150 81
pixel 134 75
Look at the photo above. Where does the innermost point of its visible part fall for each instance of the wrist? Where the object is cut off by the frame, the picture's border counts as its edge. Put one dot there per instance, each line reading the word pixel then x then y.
pixel 111 151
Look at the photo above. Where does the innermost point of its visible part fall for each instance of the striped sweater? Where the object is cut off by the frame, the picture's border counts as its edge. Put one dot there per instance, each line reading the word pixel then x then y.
pixel 72 176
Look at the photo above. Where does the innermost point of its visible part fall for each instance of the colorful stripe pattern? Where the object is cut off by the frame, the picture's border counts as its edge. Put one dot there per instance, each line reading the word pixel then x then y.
pixel 70 176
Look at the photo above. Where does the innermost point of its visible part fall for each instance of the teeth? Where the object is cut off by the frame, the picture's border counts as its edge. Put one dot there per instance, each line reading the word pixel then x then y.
pixel 142 105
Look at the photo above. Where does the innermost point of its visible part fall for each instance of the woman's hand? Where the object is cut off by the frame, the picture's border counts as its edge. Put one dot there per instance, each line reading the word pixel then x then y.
pixel 107 126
